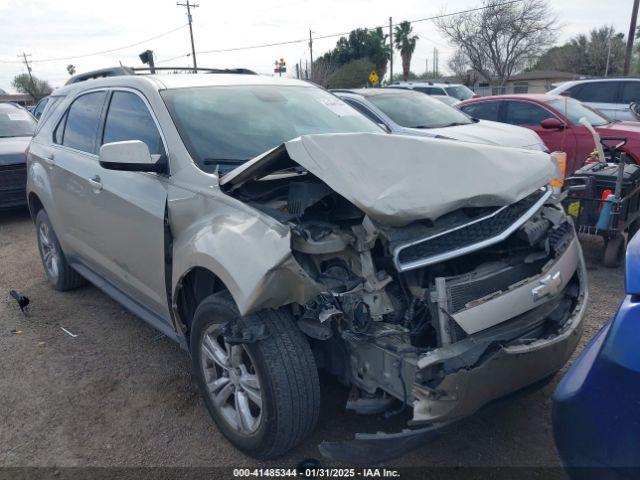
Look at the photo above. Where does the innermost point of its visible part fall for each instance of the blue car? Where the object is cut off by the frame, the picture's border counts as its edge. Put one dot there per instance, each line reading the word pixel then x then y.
pixel 596 410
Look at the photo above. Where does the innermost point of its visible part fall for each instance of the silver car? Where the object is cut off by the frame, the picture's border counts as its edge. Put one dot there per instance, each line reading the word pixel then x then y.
pixel 611 96
pixel 272 231
pixel 411 113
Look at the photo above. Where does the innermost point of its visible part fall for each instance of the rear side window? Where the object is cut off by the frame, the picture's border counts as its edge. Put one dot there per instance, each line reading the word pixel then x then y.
pixel 81 122
pixel 597 92
pixel 630 92
pixel 483 110
pixel 525 113
pixel 128 118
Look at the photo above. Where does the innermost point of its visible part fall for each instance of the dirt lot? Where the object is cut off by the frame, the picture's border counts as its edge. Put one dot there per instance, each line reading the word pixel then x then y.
pixel 119 394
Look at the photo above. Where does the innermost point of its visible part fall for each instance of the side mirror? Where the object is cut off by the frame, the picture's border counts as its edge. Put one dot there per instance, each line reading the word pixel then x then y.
pixel 130 156
pixel 552 124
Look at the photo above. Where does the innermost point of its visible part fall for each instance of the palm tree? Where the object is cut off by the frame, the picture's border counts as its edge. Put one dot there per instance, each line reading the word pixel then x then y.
pixel 405 44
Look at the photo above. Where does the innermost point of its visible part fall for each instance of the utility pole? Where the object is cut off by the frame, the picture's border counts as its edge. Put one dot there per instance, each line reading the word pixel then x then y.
pixel 26 62
pixel 193 48
pixel 311 54
pixel 631 37
pixel 606 68
pixel 391 52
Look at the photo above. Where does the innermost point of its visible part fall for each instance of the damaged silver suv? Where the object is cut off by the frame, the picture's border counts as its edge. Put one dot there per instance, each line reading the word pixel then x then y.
pixel 273 231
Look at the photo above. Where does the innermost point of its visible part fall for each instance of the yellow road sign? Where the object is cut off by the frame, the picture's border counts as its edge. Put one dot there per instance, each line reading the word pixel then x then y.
pixel 373 78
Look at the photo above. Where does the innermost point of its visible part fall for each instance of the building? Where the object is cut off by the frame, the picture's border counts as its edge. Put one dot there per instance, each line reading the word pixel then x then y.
pixel 534 81
pixel 23 99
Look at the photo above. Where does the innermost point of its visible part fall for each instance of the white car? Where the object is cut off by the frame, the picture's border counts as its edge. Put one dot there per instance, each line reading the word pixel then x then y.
pixel 411 113
pixel 611 96
pixel 456 90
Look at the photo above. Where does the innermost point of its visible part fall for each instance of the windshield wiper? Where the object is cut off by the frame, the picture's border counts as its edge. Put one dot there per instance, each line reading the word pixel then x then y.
pixel 454 124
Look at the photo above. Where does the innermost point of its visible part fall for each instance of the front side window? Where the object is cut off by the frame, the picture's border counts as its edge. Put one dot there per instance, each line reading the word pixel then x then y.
pixel 526 113
pixel 231 124
pixel 574 111
pixel 81 122
pixel 15 122
pixel 630 92
pixel 430 90
pixel 597 92
pixel 414 110
pixel 483 110
pixel 128 118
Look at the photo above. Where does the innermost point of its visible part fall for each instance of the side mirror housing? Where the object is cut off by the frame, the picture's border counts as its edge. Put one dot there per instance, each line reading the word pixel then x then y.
pixel 130 156
pixel 552 124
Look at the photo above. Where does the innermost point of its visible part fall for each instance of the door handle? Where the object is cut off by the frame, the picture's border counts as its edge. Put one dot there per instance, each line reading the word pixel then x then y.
pixel 50 160
pixel 95 183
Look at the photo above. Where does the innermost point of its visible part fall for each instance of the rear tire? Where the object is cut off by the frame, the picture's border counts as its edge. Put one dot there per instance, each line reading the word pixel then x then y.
pixel 59 273
pixel 277 404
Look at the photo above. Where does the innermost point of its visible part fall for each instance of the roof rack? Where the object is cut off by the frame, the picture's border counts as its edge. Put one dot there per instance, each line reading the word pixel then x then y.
pixel 121 70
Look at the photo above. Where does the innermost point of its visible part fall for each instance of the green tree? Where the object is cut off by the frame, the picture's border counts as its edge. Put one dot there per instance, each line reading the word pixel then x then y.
pixel 24 83
pixel 598 53
pixel 354 74
pixel 406 44
pixel 359 44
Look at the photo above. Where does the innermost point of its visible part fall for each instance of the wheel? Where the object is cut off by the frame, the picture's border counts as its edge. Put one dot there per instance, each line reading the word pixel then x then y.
pixel 614 251
pixel 264 396
pixel 59 273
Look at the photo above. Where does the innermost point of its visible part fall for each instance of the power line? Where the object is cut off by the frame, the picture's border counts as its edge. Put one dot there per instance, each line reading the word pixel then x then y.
pixel 99 53
pixel 332 35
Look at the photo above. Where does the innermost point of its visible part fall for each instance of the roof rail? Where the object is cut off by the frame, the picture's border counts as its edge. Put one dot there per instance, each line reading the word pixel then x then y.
pixel 121 70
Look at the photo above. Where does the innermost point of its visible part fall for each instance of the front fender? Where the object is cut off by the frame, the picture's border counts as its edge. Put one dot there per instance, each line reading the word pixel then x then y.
pixel 247 250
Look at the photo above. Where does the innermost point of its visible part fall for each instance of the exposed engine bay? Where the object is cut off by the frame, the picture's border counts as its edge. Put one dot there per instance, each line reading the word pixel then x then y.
pixel 395 295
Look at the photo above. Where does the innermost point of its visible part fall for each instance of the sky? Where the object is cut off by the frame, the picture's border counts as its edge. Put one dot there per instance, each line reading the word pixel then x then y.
pixel 74 28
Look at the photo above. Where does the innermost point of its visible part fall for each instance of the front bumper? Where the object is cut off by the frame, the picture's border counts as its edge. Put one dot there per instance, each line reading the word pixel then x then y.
pixel 485 368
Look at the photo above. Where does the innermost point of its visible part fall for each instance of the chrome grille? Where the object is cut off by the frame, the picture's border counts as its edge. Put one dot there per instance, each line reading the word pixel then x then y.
pixel 470 237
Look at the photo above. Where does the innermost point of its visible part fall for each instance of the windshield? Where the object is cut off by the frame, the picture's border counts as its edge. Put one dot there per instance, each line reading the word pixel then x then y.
pixel 417 110
pixel 574 111
pixel 460 92
pixel 15 122
pixel 231 124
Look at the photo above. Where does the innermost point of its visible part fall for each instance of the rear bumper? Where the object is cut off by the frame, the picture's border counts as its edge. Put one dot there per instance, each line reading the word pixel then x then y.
pixel 475 377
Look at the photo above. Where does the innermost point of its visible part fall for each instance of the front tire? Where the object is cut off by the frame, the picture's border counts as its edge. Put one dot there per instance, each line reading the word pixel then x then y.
pixel 264 396
pixel 59 273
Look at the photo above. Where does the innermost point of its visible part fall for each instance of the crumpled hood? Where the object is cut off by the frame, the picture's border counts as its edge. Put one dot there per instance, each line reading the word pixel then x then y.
pixel 12 150
pixel 493 133
pixel 398 179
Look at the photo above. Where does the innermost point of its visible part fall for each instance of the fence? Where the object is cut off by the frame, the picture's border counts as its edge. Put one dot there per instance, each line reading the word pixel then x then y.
pixel 523 87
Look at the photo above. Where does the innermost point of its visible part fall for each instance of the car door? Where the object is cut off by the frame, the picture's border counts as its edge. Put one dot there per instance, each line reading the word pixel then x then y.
pixel 73 163
pixel 130 207
pixel 602 96
pixel 530 115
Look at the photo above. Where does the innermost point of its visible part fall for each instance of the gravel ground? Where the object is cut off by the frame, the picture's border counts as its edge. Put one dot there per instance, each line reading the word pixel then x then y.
pixel 120 394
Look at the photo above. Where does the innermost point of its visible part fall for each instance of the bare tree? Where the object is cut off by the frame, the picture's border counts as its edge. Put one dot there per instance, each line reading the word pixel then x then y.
pixel 323 70
pixel 501 38
pixel 461 67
